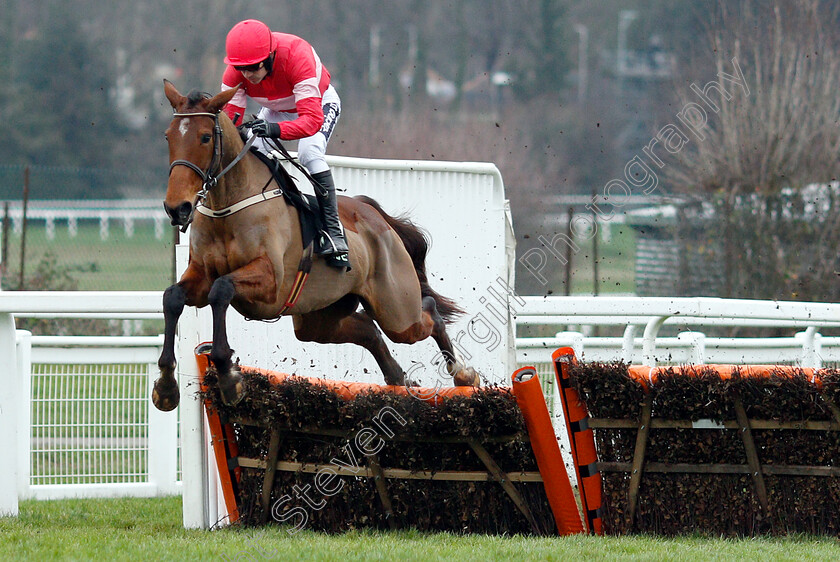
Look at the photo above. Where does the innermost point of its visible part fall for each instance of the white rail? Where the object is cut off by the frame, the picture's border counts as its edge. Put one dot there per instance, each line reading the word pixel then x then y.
pixel 16 384
pixel 803 348
pixel 652 313
pixel 116 304
pixel 641 319
pixel 70 212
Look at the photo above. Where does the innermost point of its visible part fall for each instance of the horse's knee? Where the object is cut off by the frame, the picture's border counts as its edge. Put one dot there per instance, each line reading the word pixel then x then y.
pixel 222 292
pixel 174 298
pixel 434 317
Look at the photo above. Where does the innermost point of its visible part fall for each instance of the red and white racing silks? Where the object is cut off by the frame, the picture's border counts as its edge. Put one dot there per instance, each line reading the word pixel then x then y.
pixel 296 85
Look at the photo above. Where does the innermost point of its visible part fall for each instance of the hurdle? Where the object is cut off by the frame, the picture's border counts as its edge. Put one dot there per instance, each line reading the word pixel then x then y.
pixel 735 450
pixel 543 497
pixel 483 246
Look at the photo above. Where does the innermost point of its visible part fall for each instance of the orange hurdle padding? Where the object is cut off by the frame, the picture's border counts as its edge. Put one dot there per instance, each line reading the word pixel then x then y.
pixel 349 390
pixel 582 441
pixel 558 488
pixel 223 439
pixel 649 375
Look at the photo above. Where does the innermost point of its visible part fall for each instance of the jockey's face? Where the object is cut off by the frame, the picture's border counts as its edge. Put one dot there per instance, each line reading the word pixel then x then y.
pixel 254 76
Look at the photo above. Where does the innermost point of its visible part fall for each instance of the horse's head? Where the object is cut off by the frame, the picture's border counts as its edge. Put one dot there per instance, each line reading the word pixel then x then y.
pixel 194 138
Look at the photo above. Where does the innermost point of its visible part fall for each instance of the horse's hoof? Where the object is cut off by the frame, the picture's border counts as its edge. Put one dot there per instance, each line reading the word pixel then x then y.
pixel 233 389
pixel 467 377
pixel 165 394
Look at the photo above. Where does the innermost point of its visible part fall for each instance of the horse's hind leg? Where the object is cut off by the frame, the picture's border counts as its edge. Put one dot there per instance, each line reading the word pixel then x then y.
pixel 461 375
pixel 339 323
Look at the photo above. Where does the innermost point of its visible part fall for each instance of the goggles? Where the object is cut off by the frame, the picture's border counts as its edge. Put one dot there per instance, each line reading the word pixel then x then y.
pixel 249 67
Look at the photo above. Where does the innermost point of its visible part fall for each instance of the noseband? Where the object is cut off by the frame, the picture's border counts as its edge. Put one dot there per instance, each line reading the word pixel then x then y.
pixel 209 177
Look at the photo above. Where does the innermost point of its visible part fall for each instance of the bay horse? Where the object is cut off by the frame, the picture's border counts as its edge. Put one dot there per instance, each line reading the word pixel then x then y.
pixel 246 251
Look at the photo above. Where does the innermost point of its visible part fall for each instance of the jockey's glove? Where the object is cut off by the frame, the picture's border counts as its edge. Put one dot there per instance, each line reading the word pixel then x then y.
pixel 263 128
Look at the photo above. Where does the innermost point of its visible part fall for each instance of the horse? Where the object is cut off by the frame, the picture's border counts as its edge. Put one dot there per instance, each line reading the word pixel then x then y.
pixel 246 251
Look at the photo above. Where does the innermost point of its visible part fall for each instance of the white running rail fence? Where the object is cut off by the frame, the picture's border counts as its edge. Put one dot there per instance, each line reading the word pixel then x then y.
pixel 76 415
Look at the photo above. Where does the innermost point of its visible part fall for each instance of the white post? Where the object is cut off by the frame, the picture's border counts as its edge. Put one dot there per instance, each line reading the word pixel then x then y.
pixel 649 340
pixel 163 444
pixel 625 17
pixel 375 35
pixel 818 361
pixel 24 367
pixel 577 341
pixel 583 43
pixel 510 280
pixel 9 400
pixel 697 341
pixel 810 353
pixel 628 343
pixel 194 461
pixel 194 473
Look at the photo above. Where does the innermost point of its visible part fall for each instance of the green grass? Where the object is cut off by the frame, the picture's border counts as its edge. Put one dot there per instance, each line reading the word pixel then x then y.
pixel 615 260
pixel 137 263
pixel 150 529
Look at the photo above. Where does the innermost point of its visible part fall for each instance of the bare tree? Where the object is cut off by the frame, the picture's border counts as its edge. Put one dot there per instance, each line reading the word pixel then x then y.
pixel 769 129
pixel 784 133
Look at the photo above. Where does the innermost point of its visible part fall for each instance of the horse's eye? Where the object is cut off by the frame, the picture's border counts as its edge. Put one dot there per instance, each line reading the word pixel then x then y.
pixel 165 137
pixel 205 138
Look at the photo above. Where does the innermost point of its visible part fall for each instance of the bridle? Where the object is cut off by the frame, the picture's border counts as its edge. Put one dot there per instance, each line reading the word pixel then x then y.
pixel 210 176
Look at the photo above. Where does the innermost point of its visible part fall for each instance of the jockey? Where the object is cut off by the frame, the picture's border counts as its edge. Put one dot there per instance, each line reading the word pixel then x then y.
pixel 283 74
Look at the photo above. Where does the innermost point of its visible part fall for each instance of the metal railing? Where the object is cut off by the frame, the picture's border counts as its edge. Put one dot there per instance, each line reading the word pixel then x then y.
pixel 68 212
pixel 75 417
pixel 650 314
pixel 92 431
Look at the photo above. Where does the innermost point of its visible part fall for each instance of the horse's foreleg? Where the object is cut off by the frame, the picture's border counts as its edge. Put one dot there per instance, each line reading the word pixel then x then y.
pixel 252 282
pixel 461 374
pixel 165 394
pixel 230 379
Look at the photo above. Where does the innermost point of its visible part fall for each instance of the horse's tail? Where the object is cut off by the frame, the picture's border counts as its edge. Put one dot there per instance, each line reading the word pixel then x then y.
pixel 416 242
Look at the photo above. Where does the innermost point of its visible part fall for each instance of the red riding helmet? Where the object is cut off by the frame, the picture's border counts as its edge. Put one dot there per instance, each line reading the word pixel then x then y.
pixel 249 42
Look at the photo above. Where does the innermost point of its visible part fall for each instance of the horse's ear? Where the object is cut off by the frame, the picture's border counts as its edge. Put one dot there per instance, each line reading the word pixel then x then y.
pixel 217 102
pixel 172 94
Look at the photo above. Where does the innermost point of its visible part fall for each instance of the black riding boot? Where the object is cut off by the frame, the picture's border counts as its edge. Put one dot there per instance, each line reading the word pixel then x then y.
pixel 333 245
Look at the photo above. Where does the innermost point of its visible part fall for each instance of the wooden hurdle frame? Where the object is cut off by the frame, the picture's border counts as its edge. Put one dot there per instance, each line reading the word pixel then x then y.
pixel 527 391
pixel 589 468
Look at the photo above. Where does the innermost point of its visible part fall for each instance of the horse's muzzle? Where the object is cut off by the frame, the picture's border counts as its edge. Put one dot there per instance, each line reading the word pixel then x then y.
pixel 180 215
